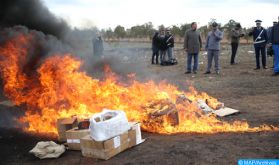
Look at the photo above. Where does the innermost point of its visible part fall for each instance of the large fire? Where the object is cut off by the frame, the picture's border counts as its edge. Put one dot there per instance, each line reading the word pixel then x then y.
pixel 60 89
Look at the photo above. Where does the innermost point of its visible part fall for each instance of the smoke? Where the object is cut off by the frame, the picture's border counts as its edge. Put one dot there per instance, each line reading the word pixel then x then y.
pixel 32 14
pixel 39 47
pixel 32 18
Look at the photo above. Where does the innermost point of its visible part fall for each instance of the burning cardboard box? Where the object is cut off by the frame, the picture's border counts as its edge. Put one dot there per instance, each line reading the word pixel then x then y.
pixel 220 110
pixel 73 137
pixel 63 125
pixel 159 110
pixel 113 146
pixel 209 106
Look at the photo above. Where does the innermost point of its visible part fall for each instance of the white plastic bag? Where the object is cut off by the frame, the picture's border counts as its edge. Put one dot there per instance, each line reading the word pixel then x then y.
pixel 108 124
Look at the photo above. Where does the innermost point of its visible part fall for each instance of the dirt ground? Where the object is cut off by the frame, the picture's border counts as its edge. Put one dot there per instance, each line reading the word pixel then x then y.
pixel 254 93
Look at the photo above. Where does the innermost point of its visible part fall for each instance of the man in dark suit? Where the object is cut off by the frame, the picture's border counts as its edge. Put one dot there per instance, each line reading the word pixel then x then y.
pixel 155 47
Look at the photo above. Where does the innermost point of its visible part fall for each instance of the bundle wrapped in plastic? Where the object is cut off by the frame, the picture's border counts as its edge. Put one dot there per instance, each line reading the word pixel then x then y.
pixel 108 124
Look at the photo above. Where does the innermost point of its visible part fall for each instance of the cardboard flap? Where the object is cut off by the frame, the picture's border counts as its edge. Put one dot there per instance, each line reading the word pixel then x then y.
pixel 76 133
pixel 67 120
pixel 225 112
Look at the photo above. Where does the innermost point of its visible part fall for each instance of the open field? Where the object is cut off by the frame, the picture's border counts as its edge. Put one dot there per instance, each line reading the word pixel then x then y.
pixel 254 93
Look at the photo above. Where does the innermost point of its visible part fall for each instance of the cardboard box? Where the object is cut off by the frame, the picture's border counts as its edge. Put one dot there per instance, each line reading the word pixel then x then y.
pixel 104 149
pixel 73 137
pixel 135 134
pixel 111 147
pixel 63 125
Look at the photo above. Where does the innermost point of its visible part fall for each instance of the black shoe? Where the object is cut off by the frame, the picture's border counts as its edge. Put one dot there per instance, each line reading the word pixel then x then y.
pixel 234 63
pixel 257 68
pixel 195 72
pixel 275 74
pixel 265 67
pixel 152 63
pixel 208 72
pixel 188 72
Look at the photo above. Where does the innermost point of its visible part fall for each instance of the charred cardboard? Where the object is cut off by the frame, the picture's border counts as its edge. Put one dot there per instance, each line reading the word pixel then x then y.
pixel 73 137
pixel 63 125
pixel 111 147
pixel 226 112
pixel 221 110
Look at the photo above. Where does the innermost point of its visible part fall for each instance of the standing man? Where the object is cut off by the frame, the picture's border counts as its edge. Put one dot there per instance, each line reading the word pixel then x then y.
pixel 98 47
pixel 162 46
pixel 270 50
pixel 235 37
pixel 260 39
pixel 155 48
pixel 170 44
pixel 192 46
pixel 274 41
pixel 212 46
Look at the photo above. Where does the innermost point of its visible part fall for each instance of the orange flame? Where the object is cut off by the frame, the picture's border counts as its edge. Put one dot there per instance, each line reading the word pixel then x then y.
pixel 60 89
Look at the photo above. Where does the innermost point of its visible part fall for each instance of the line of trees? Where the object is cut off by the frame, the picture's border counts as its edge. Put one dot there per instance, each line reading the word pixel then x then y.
pixel 147 30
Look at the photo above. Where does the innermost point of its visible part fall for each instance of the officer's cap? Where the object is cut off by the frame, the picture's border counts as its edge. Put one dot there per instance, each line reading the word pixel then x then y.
pixel 214 24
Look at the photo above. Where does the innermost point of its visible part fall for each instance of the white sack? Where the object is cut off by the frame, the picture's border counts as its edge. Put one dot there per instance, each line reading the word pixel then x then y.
pixel 108 124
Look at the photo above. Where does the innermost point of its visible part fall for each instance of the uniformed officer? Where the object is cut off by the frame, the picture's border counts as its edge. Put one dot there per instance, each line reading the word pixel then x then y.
pixel 260 40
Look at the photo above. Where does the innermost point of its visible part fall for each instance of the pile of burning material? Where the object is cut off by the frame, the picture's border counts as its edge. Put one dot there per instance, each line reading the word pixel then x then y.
pixel 165 110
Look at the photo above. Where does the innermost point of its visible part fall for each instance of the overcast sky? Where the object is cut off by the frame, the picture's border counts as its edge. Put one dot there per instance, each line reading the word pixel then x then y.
pixel 110 13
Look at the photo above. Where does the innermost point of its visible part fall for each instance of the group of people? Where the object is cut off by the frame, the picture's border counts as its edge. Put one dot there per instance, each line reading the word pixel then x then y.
pixel 193 45
pixel 162 47
pixel 262 39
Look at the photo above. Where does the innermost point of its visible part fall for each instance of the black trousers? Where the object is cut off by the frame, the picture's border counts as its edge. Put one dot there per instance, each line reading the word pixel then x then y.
pixel 234 51
pixel 155 54
pixel 260 51
pixel 270 51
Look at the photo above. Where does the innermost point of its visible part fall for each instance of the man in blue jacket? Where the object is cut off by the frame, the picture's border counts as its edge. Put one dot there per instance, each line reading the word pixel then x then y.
pixel 213 47
pixel 260 40
pixel 274 41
